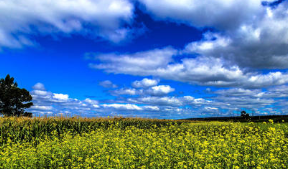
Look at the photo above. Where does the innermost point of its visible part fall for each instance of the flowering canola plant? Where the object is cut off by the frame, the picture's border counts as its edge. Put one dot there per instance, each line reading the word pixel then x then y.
pixel 160 144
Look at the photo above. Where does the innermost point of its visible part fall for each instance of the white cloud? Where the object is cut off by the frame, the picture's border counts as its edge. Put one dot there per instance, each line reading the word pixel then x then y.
pixel 259 44
pixel 144 83
pixel 275 92
pixel 151 100
pixel 159 63
pixel 222 102
pixel 19 19
pixel 151 108
pixel 107 84
pixel 245 102
pixel 270 79
pixel 252 38
pixel 160 90
pixel 61 104
pixel 40 92
pixel 239 98
pixel 252 49
pixel 211 108
pixel 189 98
pixel 60 96
pixel 87 100
pixel 93 103
pixel 45 101
pixel 220 14
pixel 210 42
pixel 238 92
pixel 122 106
pixel 130 91
pixel 36 107
pixel 154 91
pixel 199 101
pixel 39 86
pixel 209 71
pixel 137 63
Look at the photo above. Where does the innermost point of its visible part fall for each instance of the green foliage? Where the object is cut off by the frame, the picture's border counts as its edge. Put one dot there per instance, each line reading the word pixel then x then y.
pixel 140 143
pixel 29 130
pixel 13 100
pixel 245 115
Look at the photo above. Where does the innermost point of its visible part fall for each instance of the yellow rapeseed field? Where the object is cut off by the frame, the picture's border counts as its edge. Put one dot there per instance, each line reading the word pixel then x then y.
pixel 140 143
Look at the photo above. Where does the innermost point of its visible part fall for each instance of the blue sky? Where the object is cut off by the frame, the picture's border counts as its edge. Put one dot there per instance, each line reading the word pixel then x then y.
pixel 145 58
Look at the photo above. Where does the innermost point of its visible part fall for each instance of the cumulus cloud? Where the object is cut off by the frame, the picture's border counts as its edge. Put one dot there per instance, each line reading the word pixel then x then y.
pixel 151 108
pixel 256 100
pixel 244 51
pixel 238 92
pixel 49 103
pixel 36 107
pixel 93 103
pixel 223 102
pixel 130 91
pixel 152 100
pixel 169 101
pixel 46 102
pixel 252 38
pixel 136 63
pixel 221 14
pixel 209 71
pixel 122 106
pixel 40 93
pixel 160 90
pixel 258 40
pixel 159 62
pixel 19 19
pixel 60 97
pixel 244 102
pixel 144 83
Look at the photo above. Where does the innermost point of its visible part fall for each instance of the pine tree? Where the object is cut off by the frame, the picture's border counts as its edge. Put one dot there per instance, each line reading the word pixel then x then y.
pixel 13 100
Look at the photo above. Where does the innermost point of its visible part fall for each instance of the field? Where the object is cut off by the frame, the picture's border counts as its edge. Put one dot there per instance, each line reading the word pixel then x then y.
pixel 140 143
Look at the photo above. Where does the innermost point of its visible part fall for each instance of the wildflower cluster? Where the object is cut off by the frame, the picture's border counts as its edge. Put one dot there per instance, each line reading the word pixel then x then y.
pixel 145 144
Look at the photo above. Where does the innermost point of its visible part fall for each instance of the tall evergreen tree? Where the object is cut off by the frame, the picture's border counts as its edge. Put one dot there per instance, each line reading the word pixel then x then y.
pixel 13 100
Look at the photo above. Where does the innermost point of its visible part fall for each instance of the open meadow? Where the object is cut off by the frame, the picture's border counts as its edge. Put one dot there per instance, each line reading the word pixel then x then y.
pixel 140 143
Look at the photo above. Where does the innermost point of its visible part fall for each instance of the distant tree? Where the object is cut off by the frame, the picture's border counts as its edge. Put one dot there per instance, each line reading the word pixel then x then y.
pixel 13 100
pixel 245 115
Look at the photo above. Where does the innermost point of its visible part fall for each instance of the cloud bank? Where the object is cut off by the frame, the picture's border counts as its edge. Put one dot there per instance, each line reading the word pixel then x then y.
pixel 224 102
pixel 208 71
pixel 20 20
